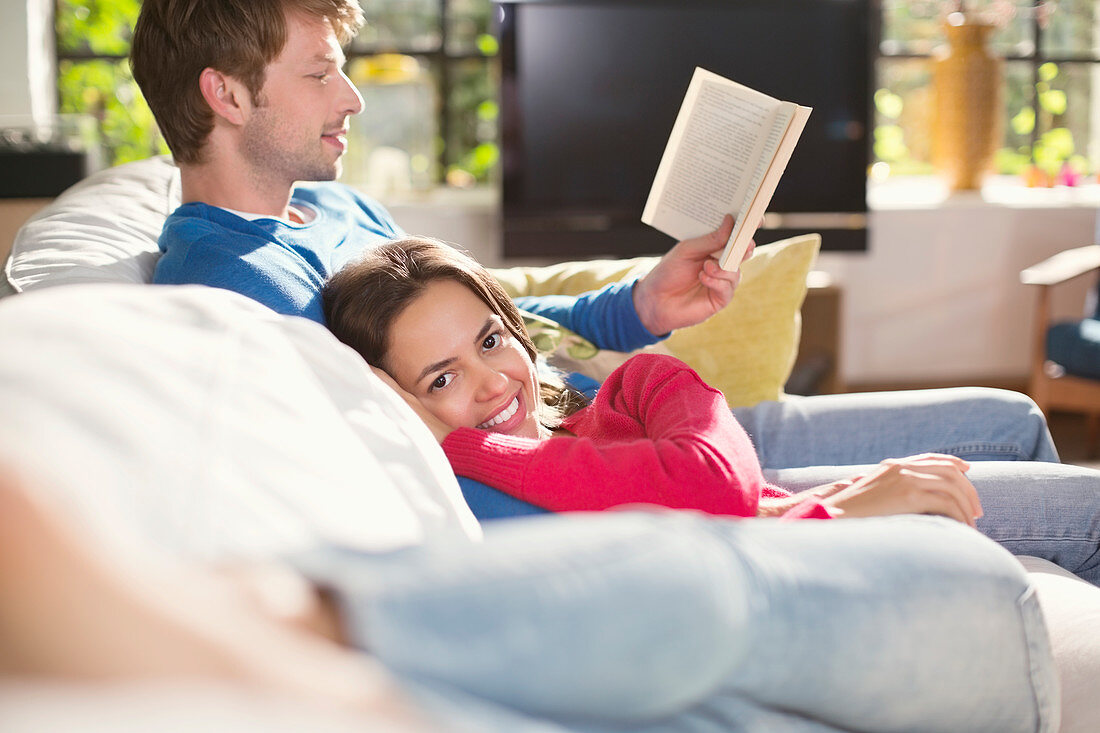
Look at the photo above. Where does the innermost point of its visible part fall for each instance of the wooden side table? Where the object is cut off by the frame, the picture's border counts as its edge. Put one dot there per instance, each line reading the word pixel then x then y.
pixel 13 213
pixel 817 367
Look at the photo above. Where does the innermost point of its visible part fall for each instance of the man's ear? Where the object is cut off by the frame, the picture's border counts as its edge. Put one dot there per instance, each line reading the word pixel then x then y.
pixel 227 97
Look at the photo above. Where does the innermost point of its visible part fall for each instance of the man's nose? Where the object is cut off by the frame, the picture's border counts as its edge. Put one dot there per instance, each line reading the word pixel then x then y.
pixel 351 98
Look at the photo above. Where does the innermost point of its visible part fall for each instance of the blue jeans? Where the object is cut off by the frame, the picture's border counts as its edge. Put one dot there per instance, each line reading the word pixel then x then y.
pixel 974 423
pixel 1049 510
pixel 675 621
pixel 1033 505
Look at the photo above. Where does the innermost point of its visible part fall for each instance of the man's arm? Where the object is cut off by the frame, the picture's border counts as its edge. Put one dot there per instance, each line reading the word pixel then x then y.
pixel 686 287
pixel 606 317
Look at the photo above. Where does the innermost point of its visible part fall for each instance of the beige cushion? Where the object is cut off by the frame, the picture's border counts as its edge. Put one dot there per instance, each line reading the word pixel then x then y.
pixel 747 350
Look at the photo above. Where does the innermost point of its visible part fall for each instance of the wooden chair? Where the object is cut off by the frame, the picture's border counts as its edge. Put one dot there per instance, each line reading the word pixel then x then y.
pixel 1049 385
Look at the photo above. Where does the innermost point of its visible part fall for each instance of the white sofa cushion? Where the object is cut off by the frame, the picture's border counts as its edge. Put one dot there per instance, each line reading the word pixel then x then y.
pixel 103 229
pixel 207 426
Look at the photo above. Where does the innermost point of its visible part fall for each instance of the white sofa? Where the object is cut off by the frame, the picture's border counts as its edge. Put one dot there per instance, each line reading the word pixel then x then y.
pixel 194 423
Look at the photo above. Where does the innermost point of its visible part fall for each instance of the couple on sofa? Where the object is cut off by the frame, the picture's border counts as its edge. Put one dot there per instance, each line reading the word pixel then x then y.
pixel 615 621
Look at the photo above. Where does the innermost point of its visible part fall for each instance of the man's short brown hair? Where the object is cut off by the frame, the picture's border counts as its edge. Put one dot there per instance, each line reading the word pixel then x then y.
pixel 174 40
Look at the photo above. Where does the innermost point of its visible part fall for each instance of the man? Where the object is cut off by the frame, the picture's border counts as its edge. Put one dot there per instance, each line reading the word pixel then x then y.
pixel 251 98
pixel 248 118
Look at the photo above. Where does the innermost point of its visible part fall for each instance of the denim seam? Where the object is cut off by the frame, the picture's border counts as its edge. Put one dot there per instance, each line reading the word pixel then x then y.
pixel 1041 538
pixel 1008 449
pixel 1046 693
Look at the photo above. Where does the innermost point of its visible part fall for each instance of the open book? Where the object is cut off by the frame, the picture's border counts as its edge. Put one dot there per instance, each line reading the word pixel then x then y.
pixel 727 151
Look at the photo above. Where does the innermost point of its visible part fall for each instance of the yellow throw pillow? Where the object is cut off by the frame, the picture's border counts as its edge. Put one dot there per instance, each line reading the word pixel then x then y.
pixel 747 350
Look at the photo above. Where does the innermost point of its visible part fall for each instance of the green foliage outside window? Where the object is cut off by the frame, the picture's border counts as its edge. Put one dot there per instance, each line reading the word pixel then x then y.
pixel 472 144
pixel 95 26
pixel 105 90
pixel 93 76
pixel 93 38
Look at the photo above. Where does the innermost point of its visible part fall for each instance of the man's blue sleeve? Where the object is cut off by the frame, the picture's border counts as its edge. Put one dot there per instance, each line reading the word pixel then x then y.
pixel 606 317
pixel 489 503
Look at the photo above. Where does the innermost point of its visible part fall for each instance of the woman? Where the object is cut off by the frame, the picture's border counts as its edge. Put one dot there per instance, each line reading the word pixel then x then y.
pixel 452 342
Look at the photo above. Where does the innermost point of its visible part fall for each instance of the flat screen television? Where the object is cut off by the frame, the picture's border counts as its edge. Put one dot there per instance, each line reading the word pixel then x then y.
pixel 590 90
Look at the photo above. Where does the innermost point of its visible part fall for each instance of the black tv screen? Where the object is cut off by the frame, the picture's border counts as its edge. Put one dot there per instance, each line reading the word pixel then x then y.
pixel 590 90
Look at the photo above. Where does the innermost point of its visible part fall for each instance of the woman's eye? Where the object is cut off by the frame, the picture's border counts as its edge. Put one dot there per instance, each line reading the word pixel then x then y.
pixel 440 382
pixel 491 342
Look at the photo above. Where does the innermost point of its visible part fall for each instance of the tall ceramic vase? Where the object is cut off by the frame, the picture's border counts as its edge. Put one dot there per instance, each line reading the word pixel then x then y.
pixel 968 108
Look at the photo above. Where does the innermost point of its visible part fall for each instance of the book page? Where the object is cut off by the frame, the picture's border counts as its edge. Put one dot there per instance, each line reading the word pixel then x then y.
pixel 712 157
pixel 727 151
pixel 756 203
pixel 780 121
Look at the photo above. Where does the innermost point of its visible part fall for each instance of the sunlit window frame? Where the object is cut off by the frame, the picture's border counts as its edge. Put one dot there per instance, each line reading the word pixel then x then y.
pixel 445 60
pixel 1035 60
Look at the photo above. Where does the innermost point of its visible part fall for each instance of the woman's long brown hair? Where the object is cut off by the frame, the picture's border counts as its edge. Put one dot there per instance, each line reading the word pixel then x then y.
pixel 364 298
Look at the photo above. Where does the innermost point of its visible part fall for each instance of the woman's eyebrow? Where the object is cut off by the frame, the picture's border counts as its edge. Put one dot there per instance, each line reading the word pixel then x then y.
pixel 434 367
pixel 492 322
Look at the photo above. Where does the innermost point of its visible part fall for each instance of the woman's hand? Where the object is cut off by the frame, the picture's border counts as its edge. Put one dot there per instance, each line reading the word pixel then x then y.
pixel 439 429
pixel 777 507
pixel 930 483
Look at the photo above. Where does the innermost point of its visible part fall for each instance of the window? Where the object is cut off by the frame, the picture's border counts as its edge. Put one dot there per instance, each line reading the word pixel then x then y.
pixel 1051 53
pixel 429 76
pixel 426 69
pixel 93 76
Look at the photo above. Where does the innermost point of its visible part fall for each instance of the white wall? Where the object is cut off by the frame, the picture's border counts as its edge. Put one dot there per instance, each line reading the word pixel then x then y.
pixel 27 87
pixel 938 296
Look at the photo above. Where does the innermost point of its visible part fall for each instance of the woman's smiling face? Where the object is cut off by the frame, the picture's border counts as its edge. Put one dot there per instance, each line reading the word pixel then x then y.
pixel 455 355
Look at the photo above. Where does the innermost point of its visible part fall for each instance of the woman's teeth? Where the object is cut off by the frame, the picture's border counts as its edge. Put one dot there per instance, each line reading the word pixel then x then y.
pixel 502 416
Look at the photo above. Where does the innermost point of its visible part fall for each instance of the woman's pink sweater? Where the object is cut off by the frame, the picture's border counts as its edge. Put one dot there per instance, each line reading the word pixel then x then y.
pixel 655 434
